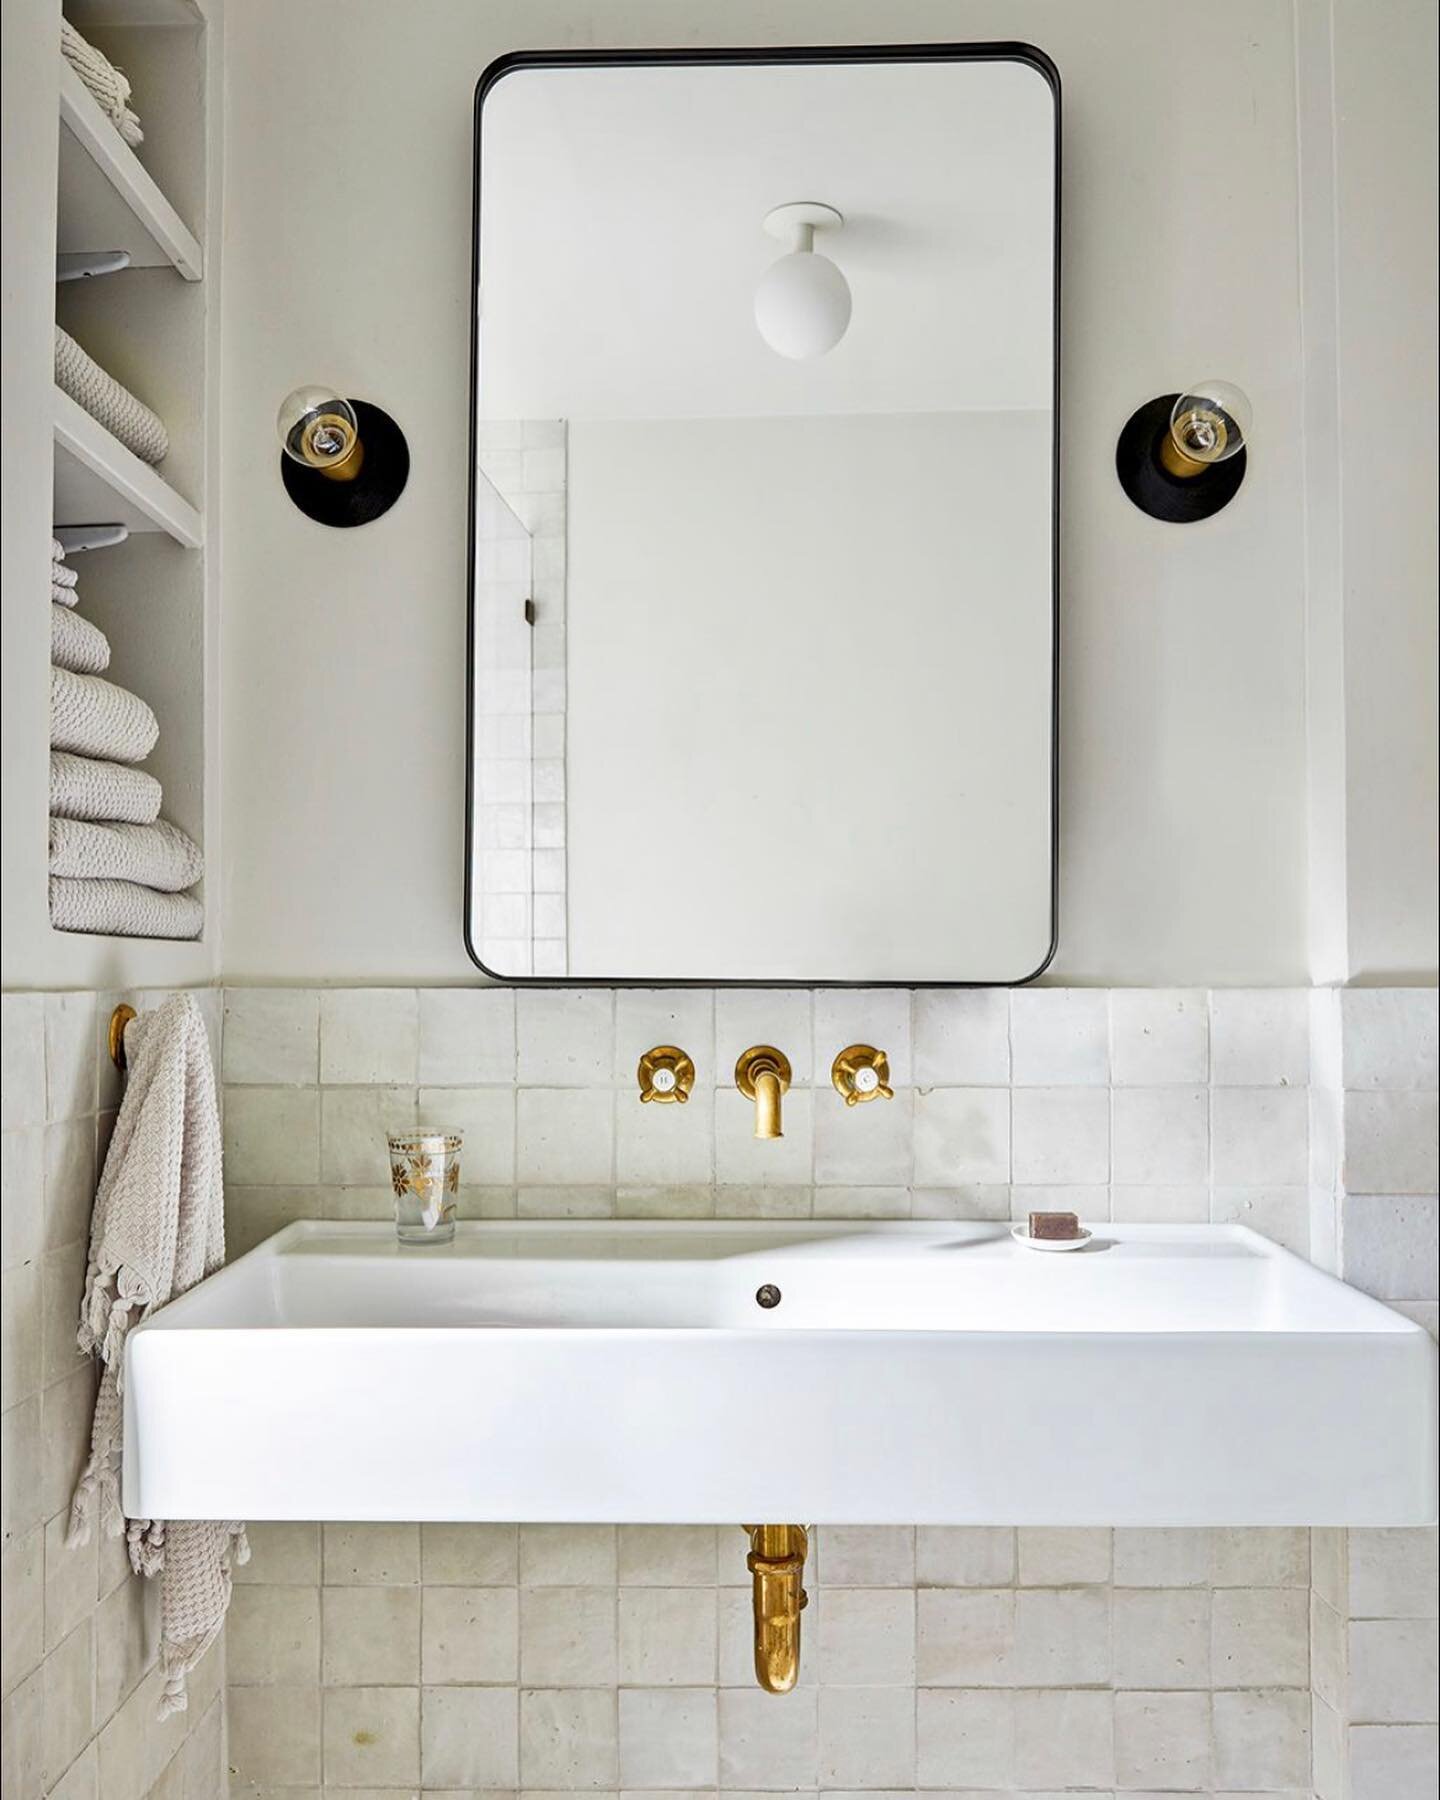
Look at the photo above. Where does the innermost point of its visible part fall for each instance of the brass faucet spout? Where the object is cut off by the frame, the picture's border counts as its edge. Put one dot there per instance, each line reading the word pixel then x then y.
pixel 768 1118
pixel 762 1075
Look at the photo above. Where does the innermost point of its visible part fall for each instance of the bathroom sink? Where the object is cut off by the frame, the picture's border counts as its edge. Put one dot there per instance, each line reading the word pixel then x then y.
pixel 945 1374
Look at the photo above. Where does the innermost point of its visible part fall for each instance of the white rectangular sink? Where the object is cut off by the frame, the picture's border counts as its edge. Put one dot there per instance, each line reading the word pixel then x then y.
pixel 910 1373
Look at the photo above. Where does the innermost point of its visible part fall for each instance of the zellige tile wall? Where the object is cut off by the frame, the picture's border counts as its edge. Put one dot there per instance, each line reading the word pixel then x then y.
pixel 1374 1603
pixel 469 1659
pixel 1147 1104
pixel 376 1662
pixel 80 1677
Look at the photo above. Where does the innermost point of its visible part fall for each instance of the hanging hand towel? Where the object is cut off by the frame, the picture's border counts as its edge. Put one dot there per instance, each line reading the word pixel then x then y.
pixel 95 718
pixel 110 88
pixel 76 644
pixel 123 909
pixel 157 856
pixel 102 396
pixel 158 1228
pixel 82 788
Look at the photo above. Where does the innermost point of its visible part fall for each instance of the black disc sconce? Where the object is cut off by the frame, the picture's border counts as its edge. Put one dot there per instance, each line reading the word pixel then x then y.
pixel 343 462
pixel 1181 457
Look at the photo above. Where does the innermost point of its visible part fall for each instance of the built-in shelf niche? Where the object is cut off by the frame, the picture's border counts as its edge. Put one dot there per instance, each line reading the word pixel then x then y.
pixel 152 327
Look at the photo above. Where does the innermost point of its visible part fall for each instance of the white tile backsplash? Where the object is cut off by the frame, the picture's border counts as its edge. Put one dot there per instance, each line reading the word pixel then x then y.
pixel 1260 1037
pixel 1059 1037
pixel 1159 1037
pixel 590 1660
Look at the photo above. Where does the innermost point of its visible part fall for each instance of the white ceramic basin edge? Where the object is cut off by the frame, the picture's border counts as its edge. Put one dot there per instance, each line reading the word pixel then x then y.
pixel 912 1373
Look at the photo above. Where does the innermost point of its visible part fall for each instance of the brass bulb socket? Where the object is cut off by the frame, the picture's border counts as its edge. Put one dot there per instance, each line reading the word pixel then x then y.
pixel 1177 463
pixel 348 466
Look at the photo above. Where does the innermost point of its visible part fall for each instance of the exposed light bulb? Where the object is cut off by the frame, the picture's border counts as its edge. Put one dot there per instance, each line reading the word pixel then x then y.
pixel 1208 424
pixel 321 431
pixel 802 302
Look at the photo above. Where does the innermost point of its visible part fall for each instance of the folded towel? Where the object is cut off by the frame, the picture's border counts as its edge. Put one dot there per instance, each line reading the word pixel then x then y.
pixel 157 1229
pixel 104 80
pixel 122 909
pixel 62 596
pixel 76 644
pixel 157 856
pixel 96 718
pixel 102 396
pixel 61 574
pixel 82 788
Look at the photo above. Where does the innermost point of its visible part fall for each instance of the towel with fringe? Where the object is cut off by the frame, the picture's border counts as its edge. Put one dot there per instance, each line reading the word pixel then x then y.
pixel 158 1227
pixel 83 788
pixel 76 644
pixel 95 718
pixel 122 909
pixel 104 80
pixel 106 401
pixel 157 856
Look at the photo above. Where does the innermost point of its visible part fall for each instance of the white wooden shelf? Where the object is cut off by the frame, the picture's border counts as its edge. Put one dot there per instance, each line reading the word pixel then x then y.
pixel 107 198
pixel 97 480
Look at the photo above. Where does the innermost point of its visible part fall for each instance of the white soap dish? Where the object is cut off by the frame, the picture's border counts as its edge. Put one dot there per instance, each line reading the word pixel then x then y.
pixel 1021 1235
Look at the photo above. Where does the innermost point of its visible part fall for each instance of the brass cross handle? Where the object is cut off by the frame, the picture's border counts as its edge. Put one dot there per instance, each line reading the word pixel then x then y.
pixel 666 1075
pixel 860 1073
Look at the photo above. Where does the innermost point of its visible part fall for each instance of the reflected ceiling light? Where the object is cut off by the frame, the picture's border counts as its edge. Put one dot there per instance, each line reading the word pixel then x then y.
pixel 802 302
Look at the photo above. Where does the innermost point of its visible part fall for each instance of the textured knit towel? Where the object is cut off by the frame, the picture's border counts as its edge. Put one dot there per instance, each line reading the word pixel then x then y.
pixel 61 574
pixel 123 909
pixel 76 644
pixel 157 856
pixel 102 396
pixel 62 596
pixel 82 788
pixel 95 718
pixel 158 1228
pixel 104 80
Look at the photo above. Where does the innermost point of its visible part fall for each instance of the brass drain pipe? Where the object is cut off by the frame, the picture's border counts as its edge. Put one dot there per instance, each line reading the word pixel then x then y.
pixel 777 1566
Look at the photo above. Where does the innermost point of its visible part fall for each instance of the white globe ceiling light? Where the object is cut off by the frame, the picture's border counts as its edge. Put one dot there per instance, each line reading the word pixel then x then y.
pixel 802 302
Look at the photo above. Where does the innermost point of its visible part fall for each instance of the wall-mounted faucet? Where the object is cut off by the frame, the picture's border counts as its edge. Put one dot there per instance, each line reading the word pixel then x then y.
pixel 762 1075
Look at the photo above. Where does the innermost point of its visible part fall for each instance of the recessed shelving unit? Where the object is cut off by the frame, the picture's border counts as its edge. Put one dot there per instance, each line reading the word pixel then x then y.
pixel 108 200
pixel 153 326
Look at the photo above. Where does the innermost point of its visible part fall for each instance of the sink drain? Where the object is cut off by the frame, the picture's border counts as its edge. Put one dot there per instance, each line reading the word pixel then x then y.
pixel 768 1295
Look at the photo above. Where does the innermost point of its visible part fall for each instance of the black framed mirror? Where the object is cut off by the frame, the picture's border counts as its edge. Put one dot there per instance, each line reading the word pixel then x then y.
pixel 764 510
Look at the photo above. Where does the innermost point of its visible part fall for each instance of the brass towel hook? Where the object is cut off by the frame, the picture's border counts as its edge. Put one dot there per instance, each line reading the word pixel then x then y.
pixel 119 1019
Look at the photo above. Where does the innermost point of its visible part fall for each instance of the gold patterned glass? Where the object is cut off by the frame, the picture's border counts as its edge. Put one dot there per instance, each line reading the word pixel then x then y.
pixel 425 1177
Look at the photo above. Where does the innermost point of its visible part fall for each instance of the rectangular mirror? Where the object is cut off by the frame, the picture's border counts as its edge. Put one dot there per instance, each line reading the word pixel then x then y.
pixel 763 592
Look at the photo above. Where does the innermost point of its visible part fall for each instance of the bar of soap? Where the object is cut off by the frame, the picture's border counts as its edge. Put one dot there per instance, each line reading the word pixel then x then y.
pixel 1059 1225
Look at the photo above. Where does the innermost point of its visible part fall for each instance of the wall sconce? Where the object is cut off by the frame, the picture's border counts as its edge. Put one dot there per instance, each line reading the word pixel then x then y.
pixel 802 302
pixel 344 462
pixel 1181 457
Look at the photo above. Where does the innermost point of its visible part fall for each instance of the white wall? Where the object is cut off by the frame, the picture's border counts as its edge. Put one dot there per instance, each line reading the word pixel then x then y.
pixel 348 226
pixel 1385 123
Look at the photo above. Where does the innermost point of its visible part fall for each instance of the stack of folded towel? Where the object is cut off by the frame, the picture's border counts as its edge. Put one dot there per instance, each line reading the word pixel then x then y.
pixel 116 866
pixel 104 80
